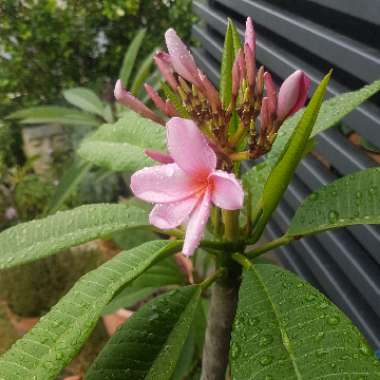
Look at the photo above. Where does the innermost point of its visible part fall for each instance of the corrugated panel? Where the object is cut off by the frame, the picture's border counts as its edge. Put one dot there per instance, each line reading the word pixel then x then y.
pixel 315 35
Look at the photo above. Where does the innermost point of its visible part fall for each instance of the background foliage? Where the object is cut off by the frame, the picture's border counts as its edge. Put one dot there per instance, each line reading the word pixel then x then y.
pixel 58 44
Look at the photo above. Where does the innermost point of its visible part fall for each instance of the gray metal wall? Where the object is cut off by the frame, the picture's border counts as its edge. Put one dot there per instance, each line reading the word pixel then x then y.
pixel 315 35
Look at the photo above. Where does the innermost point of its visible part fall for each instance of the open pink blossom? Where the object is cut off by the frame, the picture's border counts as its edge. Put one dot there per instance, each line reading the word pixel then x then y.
pixel 185 190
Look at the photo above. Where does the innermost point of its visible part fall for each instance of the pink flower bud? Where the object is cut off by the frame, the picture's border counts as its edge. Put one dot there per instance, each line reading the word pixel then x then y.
pixel 250 35
pixel 162 60
pixel 158 102
pixel 236 78
pixel 250 65
pixel 155 155
pixel 265 114
pixel 292 94
pixel 181 58
pixel 209 91
pixel 127 99
pixel 271 93
pixel 241 63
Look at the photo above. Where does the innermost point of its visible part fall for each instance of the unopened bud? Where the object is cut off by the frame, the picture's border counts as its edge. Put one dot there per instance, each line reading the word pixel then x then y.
pixel 127 99
pixel 292 94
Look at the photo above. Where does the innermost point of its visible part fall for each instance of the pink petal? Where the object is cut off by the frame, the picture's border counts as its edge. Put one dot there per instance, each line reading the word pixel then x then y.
pixel 171 215
pixel 227 191
pixel 155 155
pixel 189 148
pixel 163 184
pixel 157 100
pixel 271 92
pixel 197 224
pixel 127 99
pixel 181 58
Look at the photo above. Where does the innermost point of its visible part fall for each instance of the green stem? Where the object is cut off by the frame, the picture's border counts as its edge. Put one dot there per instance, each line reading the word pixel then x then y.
pixel 242 260
pixel 231 224
pixel 283 240
pixel 210 280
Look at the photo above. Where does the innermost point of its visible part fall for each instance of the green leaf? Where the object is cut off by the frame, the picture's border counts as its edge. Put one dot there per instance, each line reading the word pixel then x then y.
pixel 148 345
pixel 226 70
pixel 286 329
pixel 130 57
pixel 54 114
pixel 354 199
pixel 292 154
pixel 142 74
pixel 68 184
pixel 235 38
pixel 34 240
pixel 332 111
pixel 164 273
pixel 85 99
pixel 43 352
pixel 120 146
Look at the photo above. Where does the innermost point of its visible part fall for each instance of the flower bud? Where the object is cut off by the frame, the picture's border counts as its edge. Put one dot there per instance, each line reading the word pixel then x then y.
pixel 158 102
pixel 292 94
pixel 162 60
pixel 236 78
pixel 127 99
pixel 181 58
pixel 250 65
pixel 155 155
pixel 250 35
pixel 271 93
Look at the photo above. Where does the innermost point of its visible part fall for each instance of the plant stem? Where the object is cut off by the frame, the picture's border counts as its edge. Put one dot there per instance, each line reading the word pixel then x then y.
pixel 224 296
pixel 283 240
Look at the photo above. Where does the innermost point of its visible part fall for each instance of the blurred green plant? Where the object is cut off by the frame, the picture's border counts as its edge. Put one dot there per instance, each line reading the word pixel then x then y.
pixel 50 45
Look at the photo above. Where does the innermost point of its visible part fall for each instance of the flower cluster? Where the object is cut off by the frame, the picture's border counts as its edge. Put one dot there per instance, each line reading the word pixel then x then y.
pixel 202 146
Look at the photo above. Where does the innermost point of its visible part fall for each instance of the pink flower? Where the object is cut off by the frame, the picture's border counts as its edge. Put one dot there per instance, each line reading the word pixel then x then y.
pixel 292 94
pixel 186 189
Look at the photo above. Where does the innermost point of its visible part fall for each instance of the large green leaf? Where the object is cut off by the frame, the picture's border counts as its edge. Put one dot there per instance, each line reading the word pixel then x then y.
pixel 54 114
pixel 130 57
pixel 120 146
pixel 85 99
pixel 332 111
pixel 34 240
pixel 68 184
pixel 354 199
pixel 52 343
pixel 164 273
pixel 286 329
pixel 148 345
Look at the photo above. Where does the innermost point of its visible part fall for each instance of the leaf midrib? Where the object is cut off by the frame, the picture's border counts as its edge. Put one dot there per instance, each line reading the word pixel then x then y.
pixel 288 347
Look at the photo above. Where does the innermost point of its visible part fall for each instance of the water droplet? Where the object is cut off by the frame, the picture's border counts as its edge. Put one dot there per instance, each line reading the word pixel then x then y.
pixel 310 297
pixel 333 216
pixel 235 350
pixel 334 320
pixel 358 195
pixel 265 340
pixel 314 196
pixel 266 360
pixel 364 349
pixel 319 336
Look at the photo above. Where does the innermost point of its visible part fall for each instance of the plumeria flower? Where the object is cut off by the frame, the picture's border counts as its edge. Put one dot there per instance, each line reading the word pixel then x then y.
pixel 185 190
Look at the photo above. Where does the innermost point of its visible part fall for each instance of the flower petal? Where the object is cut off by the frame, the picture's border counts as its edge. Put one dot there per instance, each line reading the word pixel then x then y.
pixel 227 191
pixel 171 215
pixel 197 224
pixel 189 148
pixel 163 184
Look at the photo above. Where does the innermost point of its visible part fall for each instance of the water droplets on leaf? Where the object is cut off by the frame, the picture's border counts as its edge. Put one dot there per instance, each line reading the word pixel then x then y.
pixel 333 320
pixel 333 216
pixel 266 360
